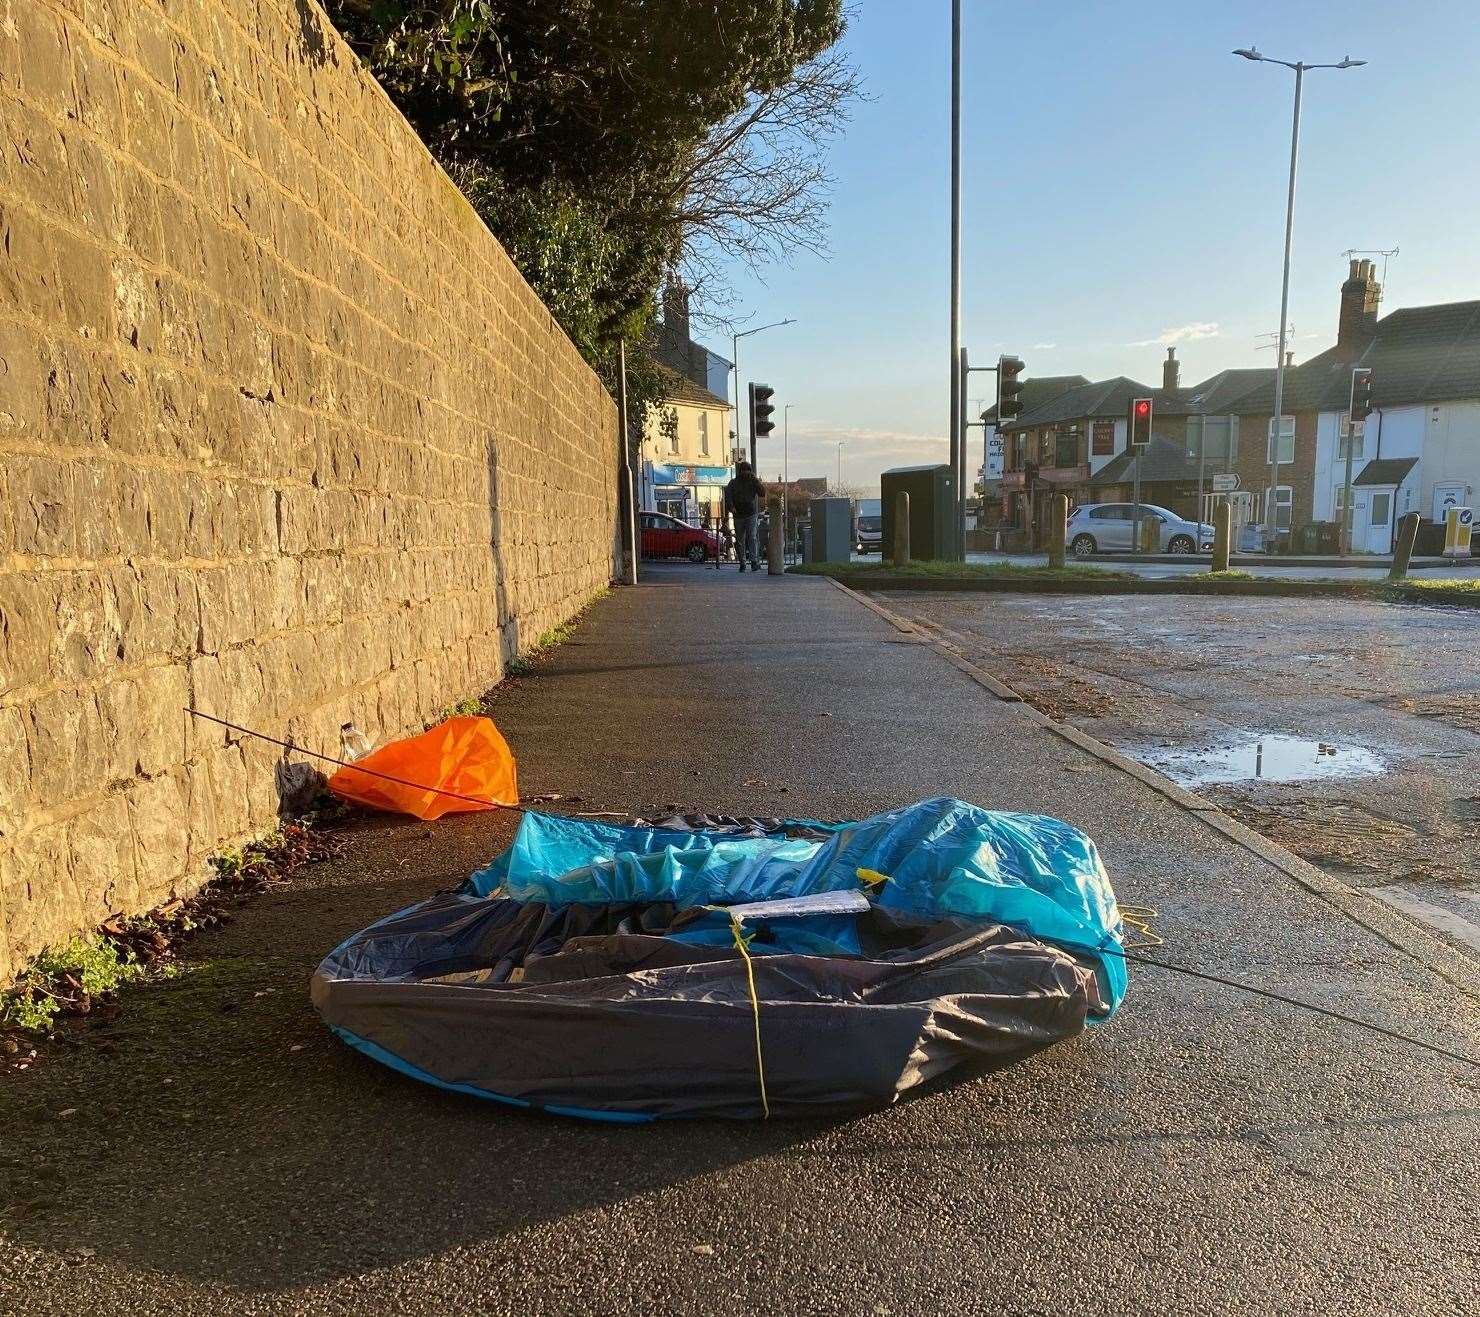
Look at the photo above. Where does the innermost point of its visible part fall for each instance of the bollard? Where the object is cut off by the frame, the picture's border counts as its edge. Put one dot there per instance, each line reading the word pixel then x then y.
pixel 1407 534
pixel 775 564
pixel 1150 534
pixel 1058 529
pixel 1222 535
pixel 901 546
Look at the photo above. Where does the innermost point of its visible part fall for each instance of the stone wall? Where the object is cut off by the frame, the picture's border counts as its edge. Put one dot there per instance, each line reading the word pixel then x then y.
pixel 283 435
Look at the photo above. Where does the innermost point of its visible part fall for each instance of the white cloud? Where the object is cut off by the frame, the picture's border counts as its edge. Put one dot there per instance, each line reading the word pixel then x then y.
pixel 866 452
pixel 1181 334
pixel 1043 347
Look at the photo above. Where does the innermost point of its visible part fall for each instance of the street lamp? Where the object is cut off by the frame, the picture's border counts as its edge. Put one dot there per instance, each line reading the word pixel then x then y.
pixel 735 365
pixel 840 468
pixel 1271 512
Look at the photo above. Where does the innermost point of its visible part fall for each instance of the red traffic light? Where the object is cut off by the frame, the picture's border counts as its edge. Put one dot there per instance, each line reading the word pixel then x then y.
pixel 1140 422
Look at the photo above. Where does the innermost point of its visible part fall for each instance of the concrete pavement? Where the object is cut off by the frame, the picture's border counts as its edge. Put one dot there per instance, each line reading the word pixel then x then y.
pixel 1204 1152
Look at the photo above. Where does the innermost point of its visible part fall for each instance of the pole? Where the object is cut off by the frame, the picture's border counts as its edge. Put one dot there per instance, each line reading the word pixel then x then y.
pixel 627 503
pixel 735 366
pixel 1202 453
pixel 785 469
pixel 1346 494
pixel 1345 543
pixel 1057 529
pixel 1136 510
pixel 1271 512
pixel 963 377
pixel 1222 526
pixel 956 248
pixel 775 566
pixel 1403 551
pixel 840 468
pixel 901 546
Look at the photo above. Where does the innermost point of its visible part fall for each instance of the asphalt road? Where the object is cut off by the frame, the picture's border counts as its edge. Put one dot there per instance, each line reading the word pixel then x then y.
pixel 1205 1152
pixel 1389 693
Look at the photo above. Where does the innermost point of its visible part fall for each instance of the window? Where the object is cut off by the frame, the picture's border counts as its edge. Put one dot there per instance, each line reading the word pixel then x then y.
pixel 1214 439
pixel 1066 447
pixel 1287 441
pixel 704 434
pixel 1382 507
pixel 1284 506
pixel 1338 503
pixel 1356 442
pixel 1112 512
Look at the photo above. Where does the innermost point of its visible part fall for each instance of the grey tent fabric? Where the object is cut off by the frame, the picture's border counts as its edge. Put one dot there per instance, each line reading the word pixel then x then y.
pixel 592 1010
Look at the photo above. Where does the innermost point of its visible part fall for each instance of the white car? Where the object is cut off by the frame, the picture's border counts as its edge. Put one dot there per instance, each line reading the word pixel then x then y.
pixel 1107 528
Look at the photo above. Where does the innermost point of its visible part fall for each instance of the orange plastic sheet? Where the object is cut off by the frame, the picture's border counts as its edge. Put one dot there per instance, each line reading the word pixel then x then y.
pixel 468 756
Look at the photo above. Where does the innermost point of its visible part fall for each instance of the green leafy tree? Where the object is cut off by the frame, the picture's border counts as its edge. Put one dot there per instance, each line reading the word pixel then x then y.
pixel 609 142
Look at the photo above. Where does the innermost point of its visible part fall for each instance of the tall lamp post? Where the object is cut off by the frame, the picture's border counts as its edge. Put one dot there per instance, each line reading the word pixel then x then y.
pixel 1271 512
pixel 735 366
pixel 840 467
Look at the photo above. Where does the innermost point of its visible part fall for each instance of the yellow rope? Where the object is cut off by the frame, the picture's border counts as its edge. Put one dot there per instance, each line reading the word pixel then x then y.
pixel 755 1006
pixel 1139 918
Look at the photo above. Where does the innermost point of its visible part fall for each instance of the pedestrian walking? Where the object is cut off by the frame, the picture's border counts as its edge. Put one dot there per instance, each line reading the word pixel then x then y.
pixel 743 498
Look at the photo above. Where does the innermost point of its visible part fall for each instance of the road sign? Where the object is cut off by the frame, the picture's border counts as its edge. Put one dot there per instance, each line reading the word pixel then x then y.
pixel 1459 527
pixel 1225 483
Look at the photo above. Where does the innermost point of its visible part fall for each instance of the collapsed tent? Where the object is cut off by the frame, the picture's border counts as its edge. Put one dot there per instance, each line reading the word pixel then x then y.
pixel 738 969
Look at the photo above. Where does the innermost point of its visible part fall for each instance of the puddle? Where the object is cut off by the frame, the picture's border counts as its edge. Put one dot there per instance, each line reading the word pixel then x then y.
pixel 1269 759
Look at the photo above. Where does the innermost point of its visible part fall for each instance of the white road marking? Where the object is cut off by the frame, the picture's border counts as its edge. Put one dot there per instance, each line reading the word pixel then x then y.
pixel 1434 916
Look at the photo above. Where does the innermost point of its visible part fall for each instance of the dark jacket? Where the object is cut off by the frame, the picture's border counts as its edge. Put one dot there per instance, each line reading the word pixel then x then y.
pixel 743 495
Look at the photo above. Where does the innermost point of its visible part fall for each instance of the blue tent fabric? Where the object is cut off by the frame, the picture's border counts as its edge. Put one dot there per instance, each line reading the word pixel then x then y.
pixel 592 969
pixel 941 856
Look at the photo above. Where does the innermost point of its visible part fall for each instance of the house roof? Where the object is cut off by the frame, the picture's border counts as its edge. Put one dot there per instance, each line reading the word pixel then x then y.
pixel 1040 391
pixel 1163 459
pixel 1386 471
pixel 680 388
pixel 1090 399
pixel 1218 393
pixel 1418 354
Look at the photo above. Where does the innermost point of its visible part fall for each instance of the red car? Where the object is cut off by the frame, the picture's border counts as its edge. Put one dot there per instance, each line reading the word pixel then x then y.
pixel 667 537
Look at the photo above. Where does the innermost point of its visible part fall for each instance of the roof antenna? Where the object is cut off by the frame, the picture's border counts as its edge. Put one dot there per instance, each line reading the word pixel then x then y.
pixel 1372 251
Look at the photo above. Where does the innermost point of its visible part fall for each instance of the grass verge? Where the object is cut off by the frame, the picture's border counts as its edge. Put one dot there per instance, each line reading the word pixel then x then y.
pixel 1074 579
pixel 968 570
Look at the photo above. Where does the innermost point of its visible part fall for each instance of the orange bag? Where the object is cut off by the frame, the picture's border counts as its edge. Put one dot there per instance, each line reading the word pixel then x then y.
pixel 465 755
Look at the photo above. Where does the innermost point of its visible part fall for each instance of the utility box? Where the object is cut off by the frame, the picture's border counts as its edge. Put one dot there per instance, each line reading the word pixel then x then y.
pixel 832 530
pixel 932 491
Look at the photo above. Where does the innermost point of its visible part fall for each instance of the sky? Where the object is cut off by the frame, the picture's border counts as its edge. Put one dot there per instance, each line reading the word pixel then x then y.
pixel 1124 189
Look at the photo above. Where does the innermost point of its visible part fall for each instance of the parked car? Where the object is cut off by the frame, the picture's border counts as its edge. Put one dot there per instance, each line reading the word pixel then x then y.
pixel 667 537
pixel 1108 528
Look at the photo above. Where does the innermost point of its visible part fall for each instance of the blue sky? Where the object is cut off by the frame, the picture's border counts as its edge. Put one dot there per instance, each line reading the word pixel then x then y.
pixel 1125 181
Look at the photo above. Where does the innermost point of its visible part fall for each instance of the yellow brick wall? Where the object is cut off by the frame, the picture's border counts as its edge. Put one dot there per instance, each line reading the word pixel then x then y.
pixel 283 434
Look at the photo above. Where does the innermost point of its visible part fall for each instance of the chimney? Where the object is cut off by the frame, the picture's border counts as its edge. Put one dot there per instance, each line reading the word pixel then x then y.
pixel 1171 371
pixel 676 312
pixel 1357 325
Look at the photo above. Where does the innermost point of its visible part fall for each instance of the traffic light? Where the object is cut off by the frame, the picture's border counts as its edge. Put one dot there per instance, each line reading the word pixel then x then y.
pixel 1140 422
pixel 1009 386
pixel 1361 406
pixel 761 410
